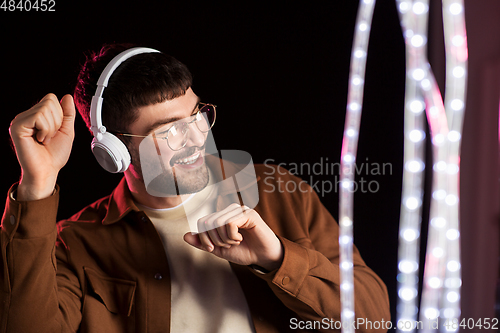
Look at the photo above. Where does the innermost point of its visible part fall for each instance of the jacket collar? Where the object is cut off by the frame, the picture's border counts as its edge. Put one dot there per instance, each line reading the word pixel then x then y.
pixel 120 202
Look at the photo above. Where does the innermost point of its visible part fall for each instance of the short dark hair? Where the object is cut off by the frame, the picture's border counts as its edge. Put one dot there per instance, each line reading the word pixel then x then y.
pixel 141 80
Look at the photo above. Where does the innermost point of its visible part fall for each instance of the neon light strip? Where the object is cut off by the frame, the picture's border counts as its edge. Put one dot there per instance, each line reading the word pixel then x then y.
pixel 444 227
pixel 442 274
pixel 436 244
pixel 414 23
pixel 442 280
pixel 348 157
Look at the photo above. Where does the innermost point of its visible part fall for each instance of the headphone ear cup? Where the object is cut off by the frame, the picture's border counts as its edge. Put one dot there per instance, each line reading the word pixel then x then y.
pixel 111 153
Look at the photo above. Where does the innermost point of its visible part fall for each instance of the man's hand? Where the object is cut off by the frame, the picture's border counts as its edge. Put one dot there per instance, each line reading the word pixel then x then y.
pixel 43 137
pixel 238 234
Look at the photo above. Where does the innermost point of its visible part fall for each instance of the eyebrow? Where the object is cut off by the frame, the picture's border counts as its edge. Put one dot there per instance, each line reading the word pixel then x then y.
pixel 165 121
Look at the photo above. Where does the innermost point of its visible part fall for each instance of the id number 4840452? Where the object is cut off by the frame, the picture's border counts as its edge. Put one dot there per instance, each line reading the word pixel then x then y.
pixel 472 324
pixel 28 5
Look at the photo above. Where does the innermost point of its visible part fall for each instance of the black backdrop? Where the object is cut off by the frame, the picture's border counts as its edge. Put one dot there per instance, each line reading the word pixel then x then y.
pixel 277 71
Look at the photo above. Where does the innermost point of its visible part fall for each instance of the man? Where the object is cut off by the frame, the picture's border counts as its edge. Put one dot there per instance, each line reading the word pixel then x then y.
pixel 131 262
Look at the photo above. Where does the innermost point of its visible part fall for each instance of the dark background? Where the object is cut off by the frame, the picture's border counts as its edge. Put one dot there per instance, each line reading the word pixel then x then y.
pixel 277 71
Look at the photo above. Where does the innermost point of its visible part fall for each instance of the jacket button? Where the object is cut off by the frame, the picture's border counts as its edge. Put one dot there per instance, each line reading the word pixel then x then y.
pixel 285 280
pixel 12 219
pixel 158 276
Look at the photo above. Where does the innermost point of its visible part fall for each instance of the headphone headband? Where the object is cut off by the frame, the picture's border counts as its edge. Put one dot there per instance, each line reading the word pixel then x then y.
pixel 96 105
pixel 110 151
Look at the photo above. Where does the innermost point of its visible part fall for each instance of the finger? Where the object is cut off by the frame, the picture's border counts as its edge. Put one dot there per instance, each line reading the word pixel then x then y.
pixel 69 112
pixel 206 243
pixel 228 230
pixel 246 213
pixel 206 222
pixel 200 241
pixel 193 240
pixel 50 121
pixel 41 127
pixel 49 97
pixel 216 239
pixel 221 219
pixel 48 118
pixel 57 116
pixel 210 230
pixel 223 212
pixel 222 226
pixel 224 236
pixel 244 220
pixel 232 232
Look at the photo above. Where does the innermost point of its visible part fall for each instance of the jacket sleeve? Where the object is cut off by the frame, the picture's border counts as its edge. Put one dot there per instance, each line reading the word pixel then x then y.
pixel 37 293
pixel 308 280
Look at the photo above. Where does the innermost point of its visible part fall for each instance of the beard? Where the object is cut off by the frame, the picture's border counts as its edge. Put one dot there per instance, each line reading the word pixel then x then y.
pixel 172 179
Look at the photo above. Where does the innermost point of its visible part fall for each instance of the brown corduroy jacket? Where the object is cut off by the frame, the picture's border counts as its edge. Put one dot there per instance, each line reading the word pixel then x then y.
pixel 105 269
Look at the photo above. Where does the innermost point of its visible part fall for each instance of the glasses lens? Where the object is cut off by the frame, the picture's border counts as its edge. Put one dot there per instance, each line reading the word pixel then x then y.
pixel 207 113
pixel 178 135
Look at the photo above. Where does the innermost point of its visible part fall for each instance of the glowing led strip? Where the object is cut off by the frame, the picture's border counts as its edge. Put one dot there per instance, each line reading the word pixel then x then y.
pixel 444 234
pixel 442 275
pixel 414 22
pixel 441 291
pixel 348 158
pixel 456 78
pixel 436 253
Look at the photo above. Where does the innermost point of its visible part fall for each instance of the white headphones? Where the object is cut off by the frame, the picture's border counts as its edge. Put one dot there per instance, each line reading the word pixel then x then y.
pixel 109 151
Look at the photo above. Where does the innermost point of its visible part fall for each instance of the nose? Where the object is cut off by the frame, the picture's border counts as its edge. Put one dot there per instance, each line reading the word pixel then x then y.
pixel 196 137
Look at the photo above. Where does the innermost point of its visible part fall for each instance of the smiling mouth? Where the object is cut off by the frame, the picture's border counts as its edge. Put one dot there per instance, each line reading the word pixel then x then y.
pixel 188 160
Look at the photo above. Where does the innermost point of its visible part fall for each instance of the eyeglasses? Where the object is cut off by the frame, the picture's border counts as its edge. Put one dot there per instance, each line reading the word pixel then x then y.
pixel 177 133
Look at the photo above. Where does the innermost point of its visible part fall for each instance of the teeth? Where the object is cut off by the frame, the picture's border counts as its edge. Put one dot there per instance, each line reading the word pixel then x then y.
pixel 188 160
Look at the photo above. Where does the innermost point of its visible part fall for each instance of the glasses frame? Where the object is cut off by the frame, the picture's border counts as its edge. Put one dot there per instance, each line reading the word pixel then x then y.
pixel 168 131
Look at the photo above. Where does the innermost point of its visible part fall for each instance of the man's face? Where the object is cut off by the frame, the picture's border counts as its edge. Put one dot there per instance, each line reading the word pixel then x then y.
pixel 175 172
